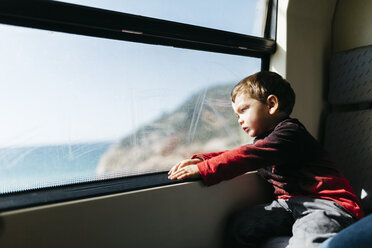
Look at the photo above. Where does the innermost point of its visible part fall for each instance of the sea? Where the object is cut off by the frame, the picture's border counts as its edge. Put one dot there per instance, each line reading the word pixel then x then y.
pixel 33 167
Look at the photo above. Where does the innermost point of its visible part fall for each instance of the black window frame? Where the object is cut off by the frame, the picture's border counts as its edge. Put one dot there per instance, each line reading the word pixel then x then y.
pixel 95 22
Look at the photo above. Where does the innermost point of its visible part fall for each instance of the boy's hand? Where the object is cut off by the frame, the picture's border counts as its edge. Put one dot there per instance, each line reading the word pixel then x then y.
pixel 185 169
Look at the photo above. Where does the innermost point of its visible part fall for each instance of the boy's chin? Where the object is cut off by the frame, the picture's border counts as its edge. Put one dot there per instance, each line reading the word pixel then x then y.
pixel 252 134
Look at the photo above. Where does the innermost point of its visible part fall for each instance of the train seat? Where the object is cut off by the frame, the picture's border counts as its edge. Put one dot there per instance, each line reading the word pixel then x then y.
pixel 348 135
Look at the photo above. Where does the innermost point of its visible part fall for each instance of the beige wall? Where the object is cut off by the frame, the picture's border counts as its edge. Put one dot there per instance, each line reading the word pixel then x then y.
pixel 182 215
pixel 304 50
pixel 352 24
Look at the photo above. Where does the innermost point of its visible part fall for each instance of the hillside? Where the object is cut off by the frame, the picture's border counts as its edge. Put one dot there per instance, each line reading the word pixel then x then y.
pixel 203 123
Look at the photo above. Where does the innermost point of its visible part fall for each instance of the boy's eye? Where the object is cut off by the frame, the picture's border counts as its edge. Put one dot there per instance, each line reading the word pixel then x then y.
pixel 244 109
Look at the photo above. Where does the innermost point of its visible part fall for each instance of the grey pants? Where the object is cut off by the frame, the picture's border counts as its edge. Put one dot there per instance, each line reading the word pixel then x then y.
pixel 309 221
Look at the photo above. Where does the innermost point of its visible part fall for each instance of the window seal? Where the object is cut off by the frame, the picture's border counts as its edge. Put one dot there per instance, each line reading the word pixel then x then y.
pixel 79 191
pixel 83 20
pixel 271 19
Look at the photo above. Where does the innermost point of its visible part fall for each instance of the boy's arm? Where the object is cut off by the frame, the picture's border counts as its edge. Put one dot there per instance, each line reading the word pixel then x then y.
pixel 206 156
pixel 283 146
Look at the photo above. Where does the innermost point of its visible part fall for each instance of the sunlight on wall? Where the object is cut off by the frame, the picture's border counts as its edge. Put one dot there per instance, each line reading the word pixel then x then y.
pixel 279 59
pixel 303 53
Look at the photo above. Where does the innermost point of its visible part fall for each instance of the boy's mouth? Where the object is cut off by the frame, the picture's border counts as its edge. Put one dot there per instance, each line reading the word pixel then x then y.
pixel 246 129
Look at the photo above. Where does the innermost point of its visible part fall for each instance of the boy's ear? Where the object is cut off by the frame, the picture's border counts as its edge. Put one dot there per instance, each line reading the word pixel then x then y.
pixel 272 102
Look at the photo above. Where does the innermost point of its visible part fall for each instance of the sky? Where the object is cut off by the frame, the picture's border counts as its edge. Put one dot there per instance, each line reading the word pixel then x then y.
pixel 58 88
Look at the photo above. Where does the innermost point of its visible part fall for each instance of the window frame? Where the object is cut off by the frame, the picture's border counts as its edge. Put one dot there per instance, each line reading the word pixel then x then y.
pixel 95 22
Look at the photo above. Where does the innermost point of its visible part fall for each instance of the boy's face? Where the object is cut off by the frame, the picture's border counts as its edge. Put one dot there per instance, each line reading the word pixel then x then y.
pixel 253 115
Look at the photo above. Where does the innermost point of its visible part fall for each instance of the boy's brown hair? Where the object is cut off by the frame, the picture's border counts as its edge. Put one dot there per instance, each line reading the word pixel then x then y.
pixel 263 84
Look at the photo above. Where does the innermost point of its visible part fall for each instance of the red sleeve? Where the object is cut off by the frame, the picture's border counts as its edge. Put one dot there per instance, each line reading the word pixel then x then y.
pixel 282 146
pixel 206 156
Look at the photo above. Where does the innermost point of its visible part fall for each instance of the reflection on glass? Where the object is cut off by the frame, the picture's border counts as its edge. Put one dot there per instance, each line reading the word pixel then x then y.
pixel 76 108
pixel 240 16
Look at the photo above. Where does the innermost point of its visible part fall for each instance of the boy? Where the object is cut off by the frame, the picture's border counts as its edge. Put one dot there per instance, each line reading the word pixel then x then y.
pixel 313 200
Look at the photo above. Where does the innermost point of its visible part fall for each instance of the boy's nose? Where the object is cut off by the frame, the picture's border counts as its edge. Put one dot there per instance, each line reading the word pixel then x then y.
pixel 240 121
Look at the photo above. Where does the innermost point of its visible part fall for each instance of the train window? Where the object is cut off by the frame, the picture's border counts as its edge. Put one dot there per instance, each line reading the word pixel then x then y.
pixel 93 95
pixel 78 108
pixel 248 16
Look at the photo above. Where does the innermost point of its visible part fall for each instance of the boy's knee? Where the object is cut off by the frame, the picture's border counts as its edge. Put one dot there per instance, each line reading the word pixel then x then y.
pixel 316 227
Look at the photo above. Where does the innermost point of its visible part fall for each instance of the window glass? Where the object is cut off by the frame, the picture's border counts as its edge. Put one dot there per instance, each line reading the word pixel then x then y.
pixel 76 108
pixel 240 16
